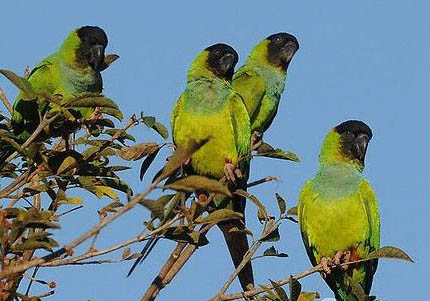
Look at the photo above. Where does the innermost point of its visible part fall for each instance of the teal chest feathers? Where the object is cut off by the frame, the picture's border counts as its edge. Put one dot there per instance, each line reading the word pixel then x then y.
pixel 336 182
pixel 275 81
pixel 206 96
pixel 76 82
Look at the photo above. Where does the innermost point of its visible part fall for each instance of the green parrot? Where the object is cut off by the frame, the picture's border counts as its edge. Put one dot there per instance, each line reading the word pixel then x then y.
pixel 74 69
pixel 338 211
pixel 261 80
pixel 210 107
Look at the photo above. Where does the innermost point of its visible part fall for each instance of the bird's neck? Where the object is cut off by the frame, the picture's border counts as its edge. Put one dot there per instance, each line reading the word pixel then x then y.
pixel 206 96
pixel 335 181
pixel 77 81
pixel 273 77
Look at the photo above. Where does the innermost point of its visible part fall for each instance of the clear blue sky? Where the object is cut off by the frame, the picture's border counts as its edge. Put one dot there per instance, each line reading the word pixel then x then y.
pixel 367 60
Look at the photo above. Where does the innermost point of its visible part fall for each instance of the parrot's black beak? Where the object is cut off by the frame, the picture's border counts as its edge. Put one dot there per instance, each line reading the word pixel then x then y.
pixel 289 50
pixel 97 57
pixel 360 143
pixel 226 63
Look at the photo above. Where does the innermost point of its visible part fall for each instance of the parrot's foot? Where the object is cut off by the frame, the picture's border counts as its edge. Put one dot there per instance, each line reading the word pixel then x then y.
pixel 97 114
pixel 328 263
pixel 187 161
pixel 342 257
pixel 256 140
pixel 231 172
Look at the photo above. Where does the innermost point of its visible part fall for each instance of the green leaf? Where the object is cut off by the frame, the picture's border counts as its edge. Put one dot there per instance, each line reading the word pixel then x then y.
pixel 112 207
pixel 68 164
pixel 272 236
pixel 265 150
pixel 92 101
pixel 390 252
pixel 246 231
pixel 308 296
pixel 254 199
pixel 138 151
pixel 156 208
pixel 42 225
pixel 123 135
pixel 147 163
pixel 103 186
pixel 273 252
pixel 218 216
pixel 116 184
pixel 183 233
pixel 149 121
pixel 279 291
pixel 161 129
pixel 112 112
pixel 269 292
pixel 47 244
pixel 193 183
pixel 292 211
pixel 295 288
pixel 180 156
pixel 71 201
pixel 282 204
pixel 21 83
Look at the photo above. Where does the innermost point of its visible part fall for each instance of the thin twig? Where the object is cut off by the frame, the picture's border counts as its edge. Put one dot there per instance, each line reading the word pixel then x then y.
pixel 262 181
pixel 5 101
pixel 70 210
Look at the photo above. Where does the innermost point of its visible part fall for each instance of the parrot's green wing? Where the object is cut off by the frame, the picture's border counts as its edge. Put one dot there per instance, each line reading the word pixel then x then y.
pixel 241 125
pixel 251 87
pixel 26 114
pixel 373 243
pixel 176 108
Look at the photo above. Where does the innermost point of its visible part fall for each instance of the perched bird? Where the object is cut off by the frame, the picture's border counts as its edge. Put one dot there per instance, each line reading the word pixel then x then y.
pixel 261 80
pixel 72 70
pixel 210 107
pixel 338 211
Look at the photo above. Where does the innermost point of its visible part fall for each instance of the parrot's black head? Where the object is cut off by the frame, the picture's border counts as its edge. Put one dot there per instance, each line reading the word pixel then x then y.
pixel 92 48
pixel 281 49
pixel 355 136
pixel 221 60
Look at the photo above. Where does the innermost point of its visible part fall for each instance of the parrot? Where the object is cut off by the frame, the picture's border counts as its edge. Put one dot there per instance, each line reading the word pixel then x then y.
pixel 261 80
pixel 209 106
pixel 74 69
pixel 338 211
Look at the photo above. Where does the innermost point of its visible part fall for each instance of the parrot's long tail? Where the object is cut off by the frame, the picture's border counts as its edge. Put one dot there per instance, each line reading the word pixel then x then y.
pixel 237 242
pixel 144 253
